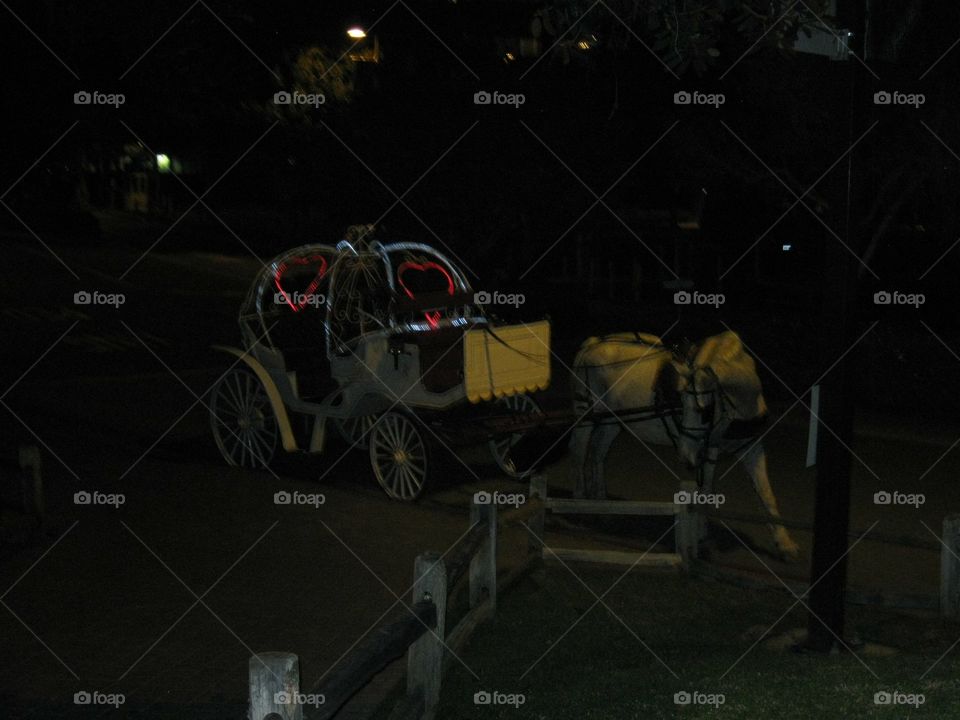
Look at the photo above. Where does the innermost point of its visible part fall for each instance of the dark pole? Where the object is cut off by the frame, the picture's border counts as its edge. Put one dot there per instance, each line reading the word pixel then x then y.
pixel 832 520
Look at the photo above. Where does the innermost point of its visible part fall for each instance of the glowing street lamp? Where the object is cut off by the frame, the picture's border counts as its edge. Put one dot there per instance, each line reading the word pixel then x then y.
pixel 357 33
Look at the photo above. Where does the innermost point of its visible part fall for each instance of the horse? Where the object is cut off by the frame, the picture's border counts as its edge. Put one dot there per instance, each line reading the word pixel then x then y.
pixel 704 400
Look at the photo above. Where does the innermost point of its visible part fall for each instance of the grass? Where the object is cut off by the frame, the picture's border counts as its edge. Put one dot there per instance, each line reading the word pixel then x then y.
pixel 703 633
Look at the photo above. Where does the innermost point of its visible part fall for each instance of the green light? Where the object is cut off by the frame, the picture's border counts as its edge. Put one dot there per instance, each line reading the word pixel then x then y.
pixel 163 163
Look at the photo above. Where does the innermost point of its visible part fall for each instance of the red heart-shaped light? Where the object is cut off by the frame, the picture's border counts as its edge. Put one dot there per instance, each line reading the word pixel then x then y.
pixel 314 284
pixel 423 267
pixel 433 318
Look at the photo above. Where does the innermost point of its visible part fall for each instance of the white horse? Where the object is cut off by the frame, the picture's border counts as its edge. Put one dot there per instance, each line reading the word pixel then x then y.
pixel 714 389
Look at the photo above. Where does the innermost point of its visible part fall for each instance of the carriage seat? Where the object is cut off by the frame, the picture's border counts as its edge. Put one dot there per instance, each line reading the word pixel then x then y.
pixel 301 338
pixel 441 356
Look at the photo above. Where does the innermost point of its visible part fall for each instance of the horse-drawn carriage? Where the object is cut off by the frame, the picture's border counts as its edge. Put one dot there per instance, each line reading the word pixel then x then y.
pixel 386 342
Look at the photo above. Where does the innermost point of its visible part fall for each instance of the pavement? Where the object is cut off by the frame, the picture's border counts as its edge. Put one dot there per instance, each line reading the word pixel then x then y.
pixel 165 597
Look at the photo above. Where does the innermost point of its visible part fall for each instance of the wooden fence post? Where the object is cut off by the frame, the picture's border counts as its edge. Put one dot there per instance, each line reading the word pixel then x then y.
pixel 687 532
pixel 538 492
pixel 483 564
pixel 275 686
pixel 950 567
pixel 31 481
pixel 425 656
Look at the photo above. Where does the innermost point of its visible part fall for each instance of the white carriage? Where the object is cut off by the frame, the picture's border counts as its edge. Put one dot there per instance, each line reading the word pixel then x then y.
pixel 384 340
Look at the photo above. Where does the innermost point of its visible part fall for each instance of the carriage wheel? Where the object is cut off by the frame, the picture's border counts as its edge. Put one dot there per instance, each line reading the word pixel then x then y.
pixel 501 447
pixel 399 454
pixel 356 431
pixel 242 420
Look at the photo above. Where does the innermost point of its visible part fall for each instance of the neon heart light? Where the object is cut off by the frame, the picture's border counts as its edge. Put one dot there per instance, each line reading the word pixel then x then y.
pixel 433 318
pixel 423 267
pixel 309 290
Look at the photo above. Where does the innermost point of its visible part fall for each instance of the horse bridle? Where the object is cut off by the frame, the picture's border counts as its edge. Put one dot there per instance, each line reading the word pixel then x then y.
pixel 702 434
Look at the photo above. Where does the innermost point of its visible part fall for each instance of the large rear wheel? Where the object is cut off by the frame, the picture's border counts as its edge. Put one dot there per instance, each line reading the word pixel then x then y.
pixel 242 419
pixel 399 455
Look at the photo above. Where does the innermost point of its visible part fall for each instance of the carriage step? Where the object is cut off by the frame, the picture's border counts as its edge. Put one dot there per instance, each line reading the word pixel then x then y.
pixel 612 507
pixel 614 557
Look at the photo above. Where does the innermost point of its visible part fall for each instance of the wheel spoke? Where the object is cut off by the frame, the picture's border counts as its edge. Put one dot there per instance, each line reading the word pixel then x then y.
pixel 413 478
pixel 407 487
pixel 393 432
pixel 225 398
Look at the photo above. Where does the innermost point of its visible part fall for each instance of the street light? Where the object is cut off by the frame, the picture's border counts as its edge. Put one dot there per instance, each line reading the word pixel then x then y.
pixel 357 33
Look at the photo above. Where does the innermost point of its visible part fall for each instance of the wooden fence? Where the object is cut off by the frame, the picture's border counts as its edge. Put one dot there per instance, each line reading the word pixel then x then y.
pixel 423 633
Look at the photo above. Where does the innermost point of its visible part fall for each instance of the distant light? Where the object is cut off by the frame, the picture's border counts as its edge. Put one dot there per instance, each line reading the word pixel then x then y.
pixel 584 44
pixel 358 33
pixel 163 163
pixel 509 57
pixel 787 247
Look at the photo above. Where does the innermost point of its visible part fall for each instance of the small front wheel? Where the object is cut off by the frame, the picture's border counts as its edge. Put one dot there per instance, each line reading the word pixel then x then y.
pixel 399 455
pixel 355 430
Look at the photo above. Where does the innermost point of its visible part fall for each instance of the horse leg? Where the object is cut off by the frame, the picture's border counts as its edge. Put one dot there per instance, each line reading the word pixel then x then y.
pixel 579 445
pixel 603 437
pixel 707 471
pixel 755 461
